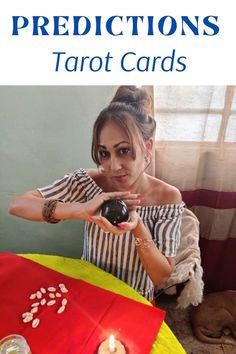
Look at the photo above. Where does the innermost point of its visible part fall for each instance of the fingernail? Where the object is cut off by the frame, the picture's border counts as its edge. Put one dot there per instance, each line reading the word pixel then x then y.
pixel 90 218
pixel 122 225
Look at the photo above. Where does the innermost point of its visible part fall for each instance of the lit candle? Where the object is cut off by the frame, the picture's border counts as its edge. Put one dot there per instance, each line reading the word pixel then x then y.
pixel 111 345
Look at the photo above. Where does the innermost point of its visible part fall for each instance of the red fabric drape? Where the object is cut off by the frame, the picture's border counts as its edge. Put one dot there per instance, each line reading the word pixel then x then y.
pixel 217 247
pixel 91 314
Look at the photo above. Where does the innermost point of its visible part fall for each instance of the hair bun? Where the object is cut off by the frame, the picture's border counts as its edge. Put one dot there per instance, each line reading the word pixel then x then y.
pixel 137 97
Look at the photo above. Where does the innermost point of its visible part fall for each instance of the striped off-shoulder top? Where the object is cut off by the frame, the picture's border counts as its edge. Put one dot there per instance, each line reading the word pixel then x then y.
pixel 117 254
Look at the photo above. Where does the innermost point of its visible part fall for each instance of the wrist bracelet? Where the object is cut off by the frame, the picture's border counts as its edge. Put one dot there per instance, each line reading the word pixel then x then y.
pixel 48 210
pixel 142 243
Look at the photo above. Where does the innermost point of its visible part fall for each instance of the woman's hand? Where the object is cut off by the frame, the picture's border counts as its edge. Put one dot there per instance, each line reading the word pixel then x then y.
pixel 92 211
pixel 93 206
pixel 123 227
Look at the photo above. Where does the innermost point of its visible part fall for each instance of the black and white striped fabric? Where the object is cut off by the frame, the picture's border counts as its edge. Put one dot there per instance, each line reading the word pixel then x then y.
pixel 117 254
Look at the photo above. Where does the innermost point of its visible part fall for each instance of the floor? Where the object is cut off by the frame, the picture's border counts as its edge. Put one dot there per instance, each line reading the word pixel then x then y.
pixel 178 321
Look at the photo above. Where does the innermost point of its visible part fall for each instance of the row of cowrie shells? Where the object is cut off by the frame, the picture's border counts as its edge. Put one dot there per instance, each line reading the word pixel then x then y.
pixel 53 294
pixel 50 289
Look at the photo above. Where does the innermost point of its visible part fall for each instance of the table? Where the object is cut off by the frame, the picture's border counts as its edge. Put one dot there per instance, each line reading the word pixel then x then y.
pixel 166 343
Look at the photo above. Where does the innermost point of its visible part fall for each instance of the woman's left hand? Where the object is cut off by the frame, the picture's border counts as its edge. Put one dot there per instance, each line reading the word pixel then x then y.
pixel 123 227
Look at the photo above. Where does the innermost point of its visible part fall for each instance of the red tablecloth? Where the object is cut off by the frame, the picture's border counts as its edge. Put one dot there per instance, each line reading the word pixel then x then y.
pixel 91 313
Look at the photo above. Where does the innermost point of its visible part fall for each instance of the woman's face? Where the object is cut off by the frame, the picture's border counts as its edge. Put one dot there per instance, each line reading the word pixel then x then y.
pixel 116 157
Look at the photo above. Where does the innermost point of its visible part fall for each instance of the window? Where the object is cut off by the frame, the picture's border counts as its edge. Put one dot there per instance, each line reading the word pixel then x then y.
pixel 195 113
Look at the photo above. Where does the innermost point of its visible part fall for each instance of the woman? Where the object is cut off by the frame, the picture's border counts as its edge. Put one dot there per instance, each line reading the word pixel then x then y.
pixel 142 250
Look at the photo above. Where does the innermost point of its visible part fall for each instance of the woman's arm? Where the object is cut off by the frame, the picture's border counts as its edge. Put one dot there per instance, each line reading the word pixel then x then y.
pixel 30 206
pixel 157 266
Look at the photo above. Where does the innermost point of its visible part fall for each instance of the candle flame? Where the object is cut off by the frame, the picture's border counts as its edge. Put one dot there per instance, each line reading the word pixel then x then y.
pixel 112 343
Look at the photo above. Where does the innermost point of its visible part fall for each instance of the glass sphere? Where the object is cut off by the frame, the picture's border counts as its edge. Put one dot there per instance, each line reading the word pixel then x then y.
pixel 115 211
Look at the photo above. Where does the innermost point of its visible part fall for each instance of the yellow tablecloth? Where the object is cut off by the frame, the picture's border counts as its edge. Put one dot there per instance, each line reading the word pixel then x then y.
pixel 166 343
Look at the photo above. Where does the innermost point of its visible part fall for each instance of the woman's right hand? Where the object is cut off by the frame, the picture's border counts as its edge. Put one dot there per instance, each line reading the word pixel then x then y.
pixel 92 207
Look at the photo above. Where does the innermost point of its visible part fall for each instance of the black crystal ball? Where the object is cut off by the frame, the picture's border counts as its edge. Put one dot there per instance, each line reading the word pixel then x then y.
pixel 115 210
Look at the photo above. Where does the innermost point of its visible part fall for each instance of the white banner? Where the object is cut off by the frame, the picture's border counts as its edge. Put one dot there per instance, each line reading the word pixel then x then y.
pixel 112 43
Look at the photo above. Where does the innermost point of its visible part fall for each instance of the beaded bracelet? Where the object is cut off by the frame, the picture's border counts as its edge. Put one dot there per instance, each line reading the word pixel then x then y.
pixel 48 210
pixel 142 243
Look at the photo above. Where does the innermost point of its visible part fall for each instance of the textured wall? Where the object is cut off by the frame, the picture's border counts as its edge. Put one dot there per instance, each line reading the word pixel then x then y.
pixel 45 132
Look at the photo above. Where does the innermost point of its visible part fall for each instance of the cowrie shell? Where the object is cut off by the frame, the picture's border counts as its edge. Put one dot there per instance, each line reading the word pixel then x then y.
pixel 43 302
pixel 25 314
pixel 64 302
pixel 51 302
pixel 64 290
pixel 35 322
pixel 52 289
pixel 34 310
pixel 27 319
pixel 61 309
pixel 39 295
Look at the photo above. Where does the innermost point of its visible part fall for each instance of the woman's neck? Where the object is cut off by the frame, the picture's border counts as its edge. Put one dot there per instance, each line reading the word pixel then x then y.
pixel 139 186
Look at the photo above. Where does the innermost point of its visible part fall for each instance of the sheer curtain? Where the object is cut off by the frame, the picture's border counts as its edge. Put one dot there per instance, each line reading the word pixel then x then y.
pixel 196 151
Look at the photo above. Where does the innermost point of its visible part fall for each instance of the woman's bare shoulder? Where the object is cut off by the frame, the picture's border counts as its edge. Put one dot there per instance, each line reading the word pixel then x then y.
pixel 92 172
pixel 97 176
pixel 165 193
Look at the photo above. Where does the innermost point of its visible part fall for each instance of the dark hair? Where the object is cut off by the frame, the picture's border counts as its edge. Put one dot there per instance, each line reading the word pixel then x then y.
pixel 130 109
